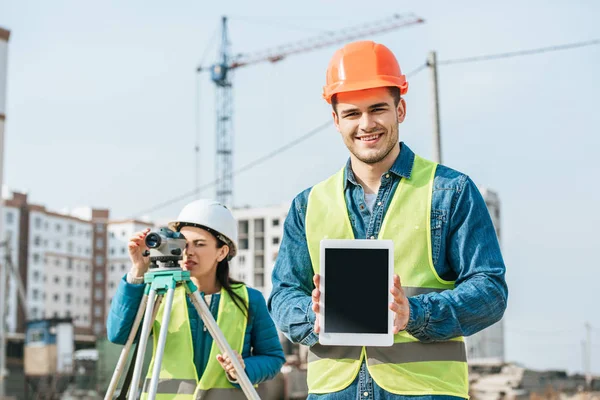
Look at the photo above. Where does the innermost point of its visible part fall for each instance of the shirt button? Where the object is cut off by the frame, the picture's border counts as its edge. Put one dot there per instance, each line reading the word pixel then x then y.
pixel 387 175
pixel 379 203
pixel 366 394
pixel 372 237
pixel 362 206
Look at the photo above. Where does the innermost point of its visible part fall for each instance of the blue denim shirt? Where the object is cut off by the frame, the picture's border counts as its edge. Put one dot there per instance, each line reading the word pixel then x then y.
pixel 465 249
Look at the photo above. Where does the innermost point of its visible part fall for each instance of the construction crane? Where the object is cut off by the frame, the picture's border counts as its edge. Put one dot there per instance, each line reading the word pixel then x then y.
pixel 221 72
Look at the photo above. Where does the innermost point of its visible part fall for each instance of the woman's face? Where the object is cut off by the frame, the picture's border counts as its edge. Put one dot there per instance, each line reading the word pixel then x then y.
pixel 201 254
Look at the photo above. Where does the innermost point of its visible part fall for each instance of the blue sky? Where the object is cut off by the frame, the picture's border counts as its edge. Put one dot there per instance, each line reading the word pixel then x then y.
pixel 101 111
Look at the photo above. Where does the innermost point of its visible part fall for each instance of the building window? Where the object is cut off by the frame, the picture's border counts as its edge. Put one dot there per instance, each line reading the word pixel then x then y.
pixel 69 281
pixel 123 233
pixel 36 258
pixel 111 285
pixel 57 262
pixel 241 259
pixel 34 313
pixel 99 260
pixel 123 250
pixel 112 267
pixel 87 284
pixel 36 276
pixel 259 279
pixel 243 227
pixel 37 222
pixel 10 217
pixel 259 262
pixel 68 298
pixel 99 228
pixel 57 244
pixel 243 243
pixel 112 251
pixel 37 241
pixel 275 240
pixel 112 235
pixel 56 279
pixel 97 328
pixel 71 229
pixel 70 246
pixel 57 228
pixel 259 225
pixel 35 294
pixel 56 297
pixel 97 311
pixel 99 276
pixel 69 263
pixel 86 301
pixel 123 267
pixel 259 244
pixel 276 222
pixel 98 294
pixel 99 243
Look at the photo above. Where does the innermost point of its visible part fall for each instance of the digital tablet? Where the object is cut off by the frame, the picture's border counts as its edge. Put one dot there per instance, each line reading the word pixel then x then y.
pixel 356 278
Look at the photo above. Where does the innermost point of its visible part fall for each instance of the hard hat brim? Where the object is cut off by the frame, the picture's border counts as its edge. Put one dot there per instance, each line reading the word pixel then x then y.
pixel 381 81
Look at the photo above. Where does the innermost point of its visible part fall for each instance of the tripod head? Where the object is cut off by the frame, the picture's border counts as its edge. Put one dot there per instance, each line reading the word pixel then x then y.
pixel 166 247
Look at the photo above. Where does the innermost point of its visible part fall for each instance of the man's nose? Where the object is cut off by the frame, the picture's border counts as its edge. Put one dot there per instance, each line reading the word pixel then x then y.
pixel 366 122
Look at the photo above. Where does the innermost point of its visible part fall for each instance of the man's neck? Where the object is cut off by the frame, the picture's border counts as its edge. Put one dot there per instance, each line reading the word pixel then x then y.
pixel 369 175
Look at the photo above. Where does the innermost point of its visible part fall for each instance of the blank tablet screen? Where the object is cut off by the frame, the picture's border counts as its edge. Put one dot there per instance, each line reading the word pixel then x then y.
pixel 356 290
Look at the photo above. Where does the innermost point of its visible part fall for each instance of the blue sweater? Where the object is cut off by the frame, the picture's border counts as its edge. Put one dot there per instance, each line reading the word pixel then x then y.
pixel 262 353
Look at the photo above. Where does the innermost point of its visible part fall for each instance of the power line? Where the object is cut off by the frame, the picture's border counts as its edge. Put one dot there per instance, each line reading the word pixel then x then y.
pixel 245 168
pixel 519 53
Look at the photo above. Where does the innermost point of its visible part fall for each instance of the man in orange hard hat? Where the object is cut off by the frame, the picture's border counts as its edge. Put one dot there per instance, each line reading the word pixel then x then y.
pixel 449 272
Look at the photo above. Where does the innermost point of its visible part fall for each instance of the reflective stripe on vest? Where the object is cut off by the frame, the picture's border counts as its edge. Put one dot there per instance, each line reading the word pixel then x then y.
pixel 178 379
pixel 409 367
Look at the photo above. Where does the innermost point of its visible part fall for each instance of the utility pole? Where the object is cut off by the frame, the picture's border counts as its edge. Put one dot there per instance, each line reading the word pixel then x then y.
pixel 3 312
pixel 588 357
pixel 4 37
pixel 437 144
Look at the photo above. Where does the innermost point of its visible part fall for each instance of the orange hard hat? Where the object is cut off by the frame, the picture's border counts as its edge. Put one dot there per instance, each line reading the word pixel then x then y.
pixel 363 65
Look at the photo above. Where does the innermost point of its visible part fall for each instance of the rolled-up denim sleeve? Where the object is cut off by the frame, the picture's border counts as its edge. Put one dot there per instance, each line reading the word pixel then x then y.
pixel 473 253
pixel 290 300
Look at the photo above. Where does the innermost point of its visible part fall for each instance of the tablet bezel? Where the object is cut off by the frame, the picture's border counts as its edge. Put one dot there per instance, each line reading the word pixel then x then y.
pixel 356 339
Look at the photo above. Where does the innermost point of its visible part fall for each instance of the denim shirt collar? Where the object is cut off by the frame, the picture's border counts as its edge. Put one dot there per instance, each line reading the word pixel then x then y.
pixel 402 167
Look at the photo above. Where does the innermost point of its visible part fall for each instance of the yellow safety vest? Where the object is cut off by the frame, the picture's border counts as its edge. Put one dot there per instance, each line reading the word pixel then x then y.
pixel 409 367
pixel 178 378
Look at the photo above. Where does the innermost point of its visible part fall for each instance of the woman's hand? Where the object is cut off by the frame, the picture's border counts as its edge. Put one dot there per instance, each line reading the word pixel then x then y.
pixel 137 246
pixel 228 365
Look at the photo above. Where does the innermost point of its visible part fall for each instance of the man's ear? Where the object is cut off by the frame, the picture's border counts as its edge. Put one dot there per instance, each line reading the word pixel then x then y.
pixel 401 111
pixel 336 120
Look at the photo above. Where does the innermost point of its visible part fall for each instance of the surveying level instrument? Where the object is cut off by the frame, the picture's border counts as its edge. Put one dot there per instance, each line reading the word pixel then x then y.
pixel 166 249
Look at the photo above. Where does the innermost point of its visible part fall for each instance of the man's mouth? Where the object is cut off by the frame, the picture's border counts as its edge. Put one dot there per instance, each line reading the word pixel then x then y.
pixel 370 138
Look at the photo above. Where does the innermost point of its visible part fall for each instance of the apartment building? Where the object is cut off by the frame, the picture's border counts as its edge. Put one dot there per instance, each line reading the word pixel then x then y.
pixel 260 231
pixel 69 263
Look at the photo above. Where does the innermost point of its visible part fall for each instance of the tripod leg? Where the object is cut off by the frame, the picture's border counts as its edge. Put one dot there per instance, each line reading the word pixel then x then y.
pixel 160 347
pixel 223 345
pixel 148 320
pixel 125 352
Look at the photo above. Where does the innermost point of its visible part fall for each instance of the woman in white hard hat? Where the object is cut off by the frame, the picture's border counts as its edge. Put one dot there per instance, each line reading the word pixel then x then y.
pixel 191 363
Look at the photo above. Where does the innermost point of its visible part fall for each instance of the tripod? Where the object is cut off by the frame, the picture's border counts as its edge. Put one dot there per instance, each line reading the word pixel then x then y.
pixel 161 281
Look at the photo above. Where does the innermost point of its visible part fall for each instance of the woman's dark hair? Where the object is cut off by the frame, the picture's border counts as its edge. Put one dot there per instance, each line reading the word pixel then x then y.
pixel 226 281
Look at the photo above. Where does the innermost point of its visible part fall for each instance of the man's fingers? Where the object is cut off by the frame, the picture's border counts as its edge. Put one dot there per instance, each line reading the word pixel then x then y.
pixel 316 280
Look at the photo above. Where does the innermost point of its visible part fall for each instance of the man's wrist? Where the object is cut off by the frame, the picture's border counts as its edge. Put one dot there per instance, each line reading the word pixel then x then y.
pixel 416 318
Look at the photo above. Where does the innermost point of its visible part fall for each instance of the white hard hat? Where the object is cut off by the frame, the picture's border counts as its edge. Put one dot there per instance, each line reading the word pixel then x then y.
pixel 212 216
